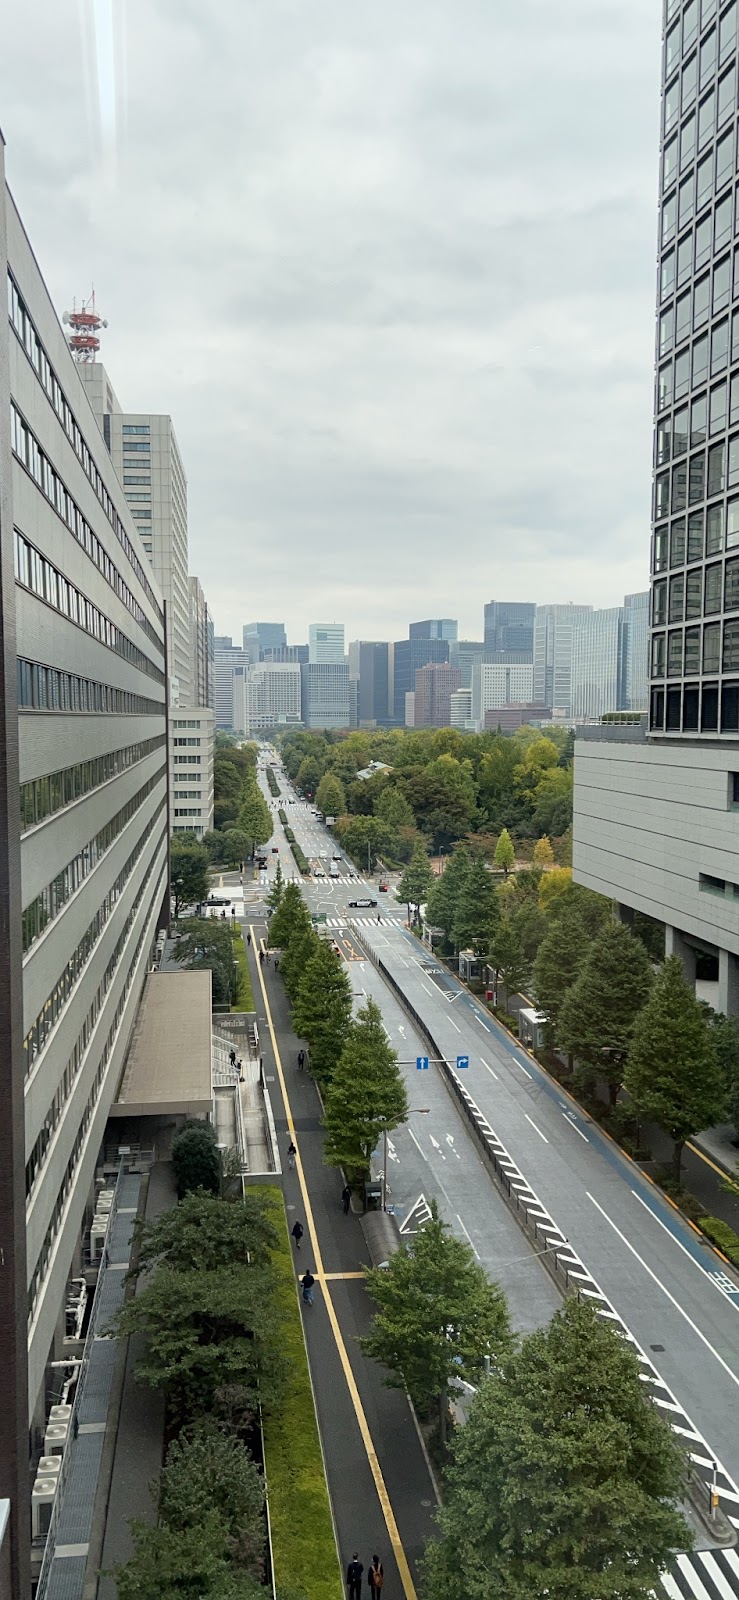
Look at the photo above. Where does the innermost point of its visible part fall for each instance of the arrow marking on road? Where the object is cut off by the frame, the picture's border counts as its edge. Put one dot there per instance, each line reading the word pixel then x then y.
pixel 419 1213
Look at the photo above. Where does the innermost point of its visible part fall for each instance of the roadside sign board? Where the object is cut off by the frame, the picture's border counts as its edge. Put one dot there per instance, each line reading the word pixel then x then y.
pixel 422 1063
pixel 462 1061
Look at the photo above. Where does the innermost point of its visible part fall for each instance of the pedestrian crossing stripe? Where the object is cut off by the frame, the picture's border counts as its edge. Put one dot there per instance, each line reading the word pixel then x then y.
pixel 703 1575
pixel 363 922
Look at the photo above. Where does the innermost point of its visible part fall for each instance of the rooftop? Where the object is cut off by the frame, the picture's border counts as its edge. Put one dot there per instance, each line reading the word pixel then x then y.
pixel 168 1068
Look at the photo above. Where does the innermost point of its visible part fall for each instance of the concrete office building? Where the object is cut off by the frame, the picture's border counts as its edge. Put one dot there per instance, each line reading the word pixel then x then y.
pixel 655 815
pixel 509 631
pixel 191 746
pixel 460 709
pixel 83 836
pixel 325 694
pixel 202 647
pixel 228 660
pixel 495 684
pixel 285 654
pixel 369 669
pixel 273 696
pixel 408 655
pixel 433 628
pixel 325 642
pixel 260 636
pixel 511 717
pixel 553 655
pixel 466 654
pixel 435 685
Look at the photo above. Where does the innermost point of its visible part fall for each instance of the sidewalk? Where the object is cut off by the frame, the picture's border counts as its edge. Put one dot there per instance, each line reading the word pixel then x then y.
pixel 358 1513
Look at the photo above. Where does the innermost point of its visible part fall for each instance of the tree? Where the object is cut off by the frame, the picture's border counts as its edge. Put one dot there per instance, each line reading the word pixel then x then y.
pixel 543 853
pixel 554 886
pixel 175 1564
pixel 366 1097
pixel 531 926
pixel 277 890
pixel 552 802
pixel 207 1472
pixel 302 947
pixel 558 962
pixel 565 1479
pixel 291 913
pixel 417 881
pixel 308 775
pixel 235 846
pixel 478 911
pixel 203 1233
pixel 196 1159
pixel 439 1318
pixel 365 838
pixel 600 1009
pixel 505 855
pixel 189 869
pixel 725 1035
pixel 673 1074
pixel 441 906
pixel 208 943
pixel 392 808
pixel 330 797
pixel 442 795
pixel 255 817
pixel 323 1009
pixel 508 956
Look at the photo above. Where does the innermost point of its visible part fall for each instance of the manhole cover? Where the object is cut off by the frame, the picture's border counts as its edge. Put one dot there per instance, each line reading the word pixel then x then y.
pixel 425 1502
pixel 656 1347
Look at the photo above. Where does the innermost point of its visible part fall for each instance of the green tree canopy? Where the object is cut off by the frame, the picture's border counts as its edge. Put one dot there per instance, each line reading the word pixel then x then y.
pixel 330 797
pixel 207 1472
pixel 203 1233
pixel 543 853
pixel 365 838
pixel 366 1096
pixel 323 1008
pixel 505 855
pixel 392 808
pixel 189 866
pixel 552 802
pixel 196 1159
pixel 564 1480
pixel 600 1009
pixel 417 881
pixel 559 959
pixel 439 1317
pixel 291 914
pixel 209 943
pixel 309 775
pixel 725 1035
pixel 508 956
pixel 441 906
pixel 183 1564
pixel 277 889
pixel 255 817
pixel 478 910
pixel 235 847
pixel 672 1073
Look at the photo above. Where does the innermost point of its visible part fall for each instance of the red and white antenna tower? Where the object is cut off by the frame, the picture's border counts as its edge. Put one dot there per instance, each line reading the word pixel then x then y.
pixel 85 325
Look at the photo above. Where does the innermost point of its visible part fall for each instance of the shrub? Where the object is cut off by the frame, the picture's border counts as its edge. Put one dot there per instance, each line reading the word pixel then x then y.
pixel 195 1158
pixel 721 1234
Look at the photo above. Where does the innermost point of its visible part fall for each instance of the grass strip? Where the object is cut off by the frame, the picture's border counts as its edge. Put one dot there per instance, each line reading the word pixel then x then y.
pixel 245 996
pixel 303 1542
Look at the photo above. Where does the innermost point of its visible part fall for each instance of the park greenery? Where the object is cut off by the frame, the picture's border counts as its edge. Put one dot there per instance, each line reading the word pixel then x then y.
pixel 565 1479
pixel 212 943
pixel 189 871
pixel 242 820
pixel 216 1304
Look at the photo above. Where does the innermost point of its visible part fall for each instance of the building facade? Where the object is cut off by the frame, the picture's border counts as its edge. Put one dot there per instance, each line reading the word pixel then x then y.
pixel 325 694
pixel 83 833
pixel 369 669
pixel 433 628
pixel 273 696
pixel 598 662
pixel 509 631
pixel 553 655
pixel 408 655
pixel 460 709
pixel 229 660
pixel 260 636
pixel 466 654
pixel 636 652
pixel 655 822
pixel 191 747
pixel 435 685
pixel 496 684
pixel 325 643
pixel 202 647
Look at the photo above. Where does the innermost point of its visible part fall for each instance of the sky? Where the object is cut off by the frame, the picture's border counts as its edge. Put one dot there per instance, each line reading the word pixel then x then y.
pixel 391 270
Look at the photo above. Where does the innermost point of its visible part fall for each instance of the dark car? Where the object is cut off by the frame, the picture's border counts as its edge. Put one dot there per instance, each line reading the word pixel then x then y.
pixel 217 900
pixel 275 849
pixel 383 888
pixel 362 903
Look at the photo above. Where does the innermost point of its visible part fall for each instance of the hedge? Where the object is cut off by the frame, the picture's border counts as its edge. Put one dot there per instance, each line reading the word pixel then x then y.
pixel 303 1540
pixel 274 787
pixel 721 1234
pixel 283 817
pixel 301 860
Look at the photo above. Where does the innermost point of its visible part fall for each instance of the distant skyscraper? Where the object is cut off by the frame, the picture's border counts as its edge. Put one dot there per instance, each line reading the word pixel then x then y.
pixel 273 692
pixel 369 668
pixel 285 654
pixel 499 683
pixel 553 654
pixel 509 631
pixel 460 708
pixel 466 654
pixel 228 659
pixel 266 635
pixel 326 695
pixel 636 667
pixel 408 656
pixel 325 642
pixel 597 663
pixel 433 628
pixel 201 646
pixel 435 685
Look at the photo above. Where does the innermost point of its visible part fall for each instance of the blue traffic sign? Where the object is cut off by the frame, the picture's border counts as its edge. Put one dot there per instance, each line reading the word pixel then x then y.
pixel 462 1061
pixel 422 1063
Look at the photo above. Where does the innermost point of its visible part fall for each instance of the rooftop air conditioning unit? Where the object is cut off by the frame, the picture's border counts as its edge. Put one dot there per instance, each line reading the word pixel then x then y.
pixel 60 1413
pixel 49 1466
pixel 97 1238
pixel 55 1438
pixel 42 1502
pixel 104 1201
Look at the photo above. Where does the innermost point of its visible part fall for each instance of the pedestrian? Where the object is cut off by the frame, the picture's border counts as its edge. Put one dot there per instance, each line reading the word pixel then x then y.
pixel 379 918
pixel 248 938
pixel 301 1060
pixel 297 1233
pixel 354 1577
pixel 240 1065
pixel 232 1056
pixel 375 1576
pixel 346 1196
pixel 291 1154
pixel 307 1282
pixel 277 963
pixel 261 958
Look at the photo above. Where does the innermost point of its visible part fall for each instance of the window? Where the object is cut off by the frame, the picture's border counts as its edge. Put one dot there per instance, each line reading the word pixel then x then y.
pixel 685 259
pixel 664 386
pixel 687 143
pixel 711 885
pixel 680 485
pixel 672 49
pixel 702 245
pixel 660 549
pixel 682 374
pixel 694 595
pixel 711 646
pixel 692 650
pixel 698 421
pixel 133 478
pixel 704 181
pixel 712 601
pixel 666 330
pixel 731 585
pixel 659 602
pixel 680 432
pixel 719 346
pixel 725 159
pixel 132 444
pixel 731 647
pixel 669 214
pixel 690 23
pixel 718 411
pixel 656 709
pixel 716 470
pixel 700 360
pixel 727 33
pixel 733 473
pixel 658 655
pixel 135 427
pixel 677 542
pixel 688 87
pixel 709 707
pixel 700 303
pixel 667 276
pixel 706 120
pixel 726 95
pixel 721 284
pixel 708 57
pixel 677 598
pixel 697 484
pixel 682 319
pixel 662 496
pixel 730 711
pixel 708 10
pixel 663 442
pixel 686 196
pixel 714 530
pixel 669 164
pixel 732 524
pixel 672 104
pixel 675 653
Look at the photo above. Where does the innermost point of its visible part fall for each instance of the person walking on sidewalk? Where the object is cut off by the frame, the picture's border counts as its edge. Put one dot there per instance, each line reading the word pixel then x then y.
pixel 354 1577
pixel 291 1154
pixel 261 958
pixel 375 1578
pixel 301 1060
pixel 297 1233
pixel 307 1282
pixel 346 1196
pixel 248 938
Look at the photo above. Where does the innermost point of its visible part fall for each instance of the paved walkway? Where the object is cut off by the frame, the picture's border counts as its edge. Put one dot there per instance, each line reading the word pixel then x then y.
pixel 381 1491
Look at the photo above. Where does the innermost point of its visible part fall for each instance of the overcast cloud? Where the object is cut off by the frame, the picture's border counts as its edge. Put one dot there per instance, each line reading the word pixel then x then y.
pixel 391 270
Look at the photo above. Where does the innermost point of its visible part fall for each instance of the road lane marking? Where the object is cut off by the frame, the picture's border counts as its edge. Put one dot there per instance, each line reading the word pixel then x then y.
pixel 437 1146
pixel 426 987
pixel 464 1230
pixel 522 1068
pixel 489 1069
pixel 712 1276
pixel 536 1130
pixel 419 1147
pixel 479 1019
pixel 665 1291
pixel 454 1025
pixel 568 1118
pixel 359 1412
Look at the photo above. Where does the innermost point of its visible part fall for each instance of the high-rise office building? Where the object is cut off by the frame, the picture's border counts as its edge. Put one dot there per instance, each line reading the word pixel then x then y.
pixel 267 635
pixel 228 660
pixel 553 654
pixel 497 683
pixel 636 652
pixel 325 642
pixel 435 685
pixel 83 836
pixel 655 817
pixel 598 660
pixel 273 696
pixel 460 709
pixel 285 654
pixel 202 646
pixel 509 631
pixel 369 669
pixel 433 628
pixel 408 656
pixel 466 654
pixel 326 695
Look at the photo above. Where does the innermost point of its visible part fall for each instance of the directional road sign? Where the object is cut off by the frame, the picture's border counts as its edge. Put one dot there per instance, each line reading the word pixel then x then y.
pixel 462 1061
pixel 422 1063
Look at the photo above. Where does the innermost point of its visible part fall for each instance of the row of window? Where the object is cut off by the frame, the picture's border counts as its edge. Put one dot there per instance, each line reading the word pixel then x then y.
pixel 708 416
pixel 707 10
pixel 130 445
pixel 191 761
pixel 55 1002
pixel 698 187
pixel 690 369
pixel 188 794
pixel 43 688
pixel 708 297
pixel 695 708
pixel 136 477
pixel 179 743
pixel 23 326
pixel 697 247
pixel 696 594
pixel 45 476
pixel 687 652
pixel 698 70
pixel 689 486
pixel 698 130
pixel 136 427
pixel 36 573
pixel 690 540
pixel 64 1089
pixel 43 797
pixel 41 1266
pixel 188 811
pixel 719 44
pixel 46 906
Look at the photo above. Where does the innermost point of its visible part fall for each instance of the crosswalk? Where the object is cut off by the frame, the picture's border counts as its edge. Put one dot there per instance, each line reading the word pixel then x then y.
pixel 703 1575
pixel 386 915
